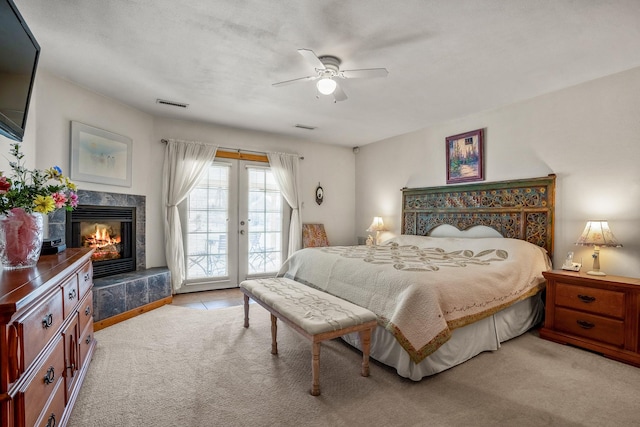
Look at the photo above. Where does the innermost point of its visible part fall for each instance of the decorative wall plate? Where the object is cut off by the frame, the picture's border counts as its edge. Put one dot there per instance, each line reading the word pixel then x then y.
pixel 319 194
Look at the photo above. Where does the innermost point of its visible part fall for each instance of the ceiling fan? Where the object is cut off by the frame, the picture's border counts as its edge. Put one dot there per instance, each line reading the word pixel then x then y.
pixel 328 71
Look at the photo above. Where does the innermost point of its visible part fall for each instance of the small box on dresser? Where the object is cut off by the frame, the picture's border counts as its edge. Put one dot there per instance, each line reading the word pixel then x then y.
pixel 46 338
pixel 598 313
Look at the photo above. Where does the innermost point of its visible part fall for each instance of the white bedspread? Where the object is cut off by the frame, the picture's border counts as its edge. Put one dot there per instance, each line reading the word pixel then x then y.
pixel 421 288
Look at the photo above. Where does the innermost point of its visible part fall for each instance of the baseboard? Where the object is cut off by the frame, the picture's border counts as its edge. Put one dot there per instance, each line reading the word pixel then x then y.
pixel 104 323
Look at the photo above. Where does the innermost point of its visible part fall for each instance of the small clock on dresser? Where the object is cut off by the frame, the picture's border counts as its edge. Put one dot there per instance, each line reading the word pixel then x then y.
pixel 599 313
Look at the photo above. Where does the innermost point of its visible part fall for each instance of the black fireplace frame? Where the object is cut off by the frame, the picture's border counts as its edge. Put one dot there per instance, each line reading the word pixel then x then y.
pixel 126 215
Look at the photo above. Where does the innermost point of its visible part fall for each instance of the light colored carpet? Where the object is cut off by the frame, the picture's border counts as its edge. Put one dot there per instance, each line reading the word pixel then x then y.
pixel 177 366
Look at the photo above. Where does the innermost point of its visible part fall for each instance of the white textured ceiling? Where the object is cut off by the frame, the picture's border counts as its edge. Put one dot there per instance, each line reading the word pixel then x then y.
pixel 446 58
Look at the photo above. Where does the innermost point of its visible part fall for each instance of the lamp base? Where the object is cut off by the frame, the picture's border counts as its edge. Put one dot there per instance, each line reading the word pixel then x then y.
pixel 597 273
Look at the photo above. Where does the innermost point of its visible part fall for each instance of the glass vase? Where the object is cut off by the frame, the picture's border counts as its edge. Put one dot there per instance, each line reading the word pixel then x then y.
pixel 21 236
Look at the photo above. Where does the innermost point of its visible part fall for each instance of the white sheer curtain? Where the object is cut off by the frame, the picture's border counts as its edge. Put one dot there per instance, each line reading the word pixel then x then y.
pixel 184 164
pixel 285 170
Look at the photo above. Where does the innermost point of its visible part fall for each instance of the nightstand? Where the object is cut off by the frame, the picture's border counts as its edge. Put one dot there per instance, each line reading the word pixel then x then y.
pixel 598 313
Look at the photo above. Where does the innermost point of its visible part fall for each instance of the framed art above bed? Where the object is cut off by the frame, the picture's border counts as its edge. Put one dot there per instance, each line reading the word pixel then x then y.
pixel 465 161
pixel 520 209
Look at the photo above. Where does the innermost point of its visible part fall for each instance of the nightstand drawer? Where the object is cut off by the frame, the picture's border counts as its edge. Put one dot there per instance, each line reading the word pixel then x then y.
pixel 593 300
pixel 590 326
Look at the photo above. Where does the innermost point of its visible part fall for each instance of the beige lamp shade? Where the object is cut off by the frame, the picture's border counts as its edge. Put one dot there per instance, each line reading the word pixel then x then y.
pixel 597 234
pixel 377 225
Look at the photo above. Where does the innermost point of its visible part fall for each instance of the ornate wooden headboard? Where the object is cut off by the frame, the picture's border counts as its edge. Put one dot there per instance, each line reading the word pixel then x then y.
pixel 520 209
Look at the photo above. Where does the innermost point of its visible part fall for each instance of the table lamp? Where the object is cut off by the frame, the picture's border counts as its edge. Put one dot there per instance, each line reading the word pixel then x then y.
pixel 597 234
pixel 377 225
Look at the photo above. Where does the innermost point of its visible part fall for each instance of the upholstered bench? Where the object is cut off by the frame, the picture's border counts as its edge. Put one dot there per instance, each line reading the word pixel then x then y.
pixel 315 314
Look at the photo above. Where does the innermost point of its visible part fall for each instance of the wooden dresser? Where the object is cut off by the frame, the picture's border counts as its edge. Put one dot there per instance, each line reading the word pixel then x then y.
pixel 599 313
pixel 46 338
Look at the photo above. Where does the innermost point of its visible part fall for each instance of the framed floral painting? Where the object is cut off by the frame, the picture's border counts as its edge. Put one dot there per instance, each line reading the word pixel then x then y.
pixel 465 161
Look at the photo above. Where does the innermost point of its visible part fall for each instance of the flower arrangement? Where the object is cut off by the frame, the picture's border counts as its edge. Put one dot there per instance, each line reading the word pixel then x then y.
pixel 21 194
pixel 33 190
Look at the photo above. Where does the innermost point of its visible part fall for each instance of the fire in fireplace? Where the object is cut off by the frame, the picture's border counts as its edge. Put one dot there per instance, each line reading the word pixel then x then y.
pixel 110 231
pixel 104 238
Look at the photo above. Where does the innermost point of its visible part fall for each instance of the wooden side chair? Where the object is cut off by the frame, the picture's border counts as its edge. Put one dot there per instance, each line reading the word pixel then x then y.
pixel 313 235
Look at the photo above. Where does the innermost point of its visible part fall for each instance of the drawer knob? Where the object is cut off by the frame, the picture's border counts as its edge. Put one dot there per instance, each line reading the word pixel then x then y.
pixel 584 324
pixel 87 311
pixel 50 376
pixel 586 298
pixel 47 321
pixel 86 277
pixel 51 422
pixel 88 339
pixel 72 294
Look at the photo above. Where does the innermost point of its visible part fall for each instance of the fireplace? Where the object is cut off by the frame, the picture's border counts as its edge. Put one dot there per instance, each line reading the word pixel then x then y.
pixel 110 231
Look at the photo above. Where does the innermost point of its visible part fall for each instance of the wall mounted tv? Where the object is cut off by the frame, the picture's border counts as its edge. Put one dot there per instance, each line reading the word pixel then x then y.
pixel 19 53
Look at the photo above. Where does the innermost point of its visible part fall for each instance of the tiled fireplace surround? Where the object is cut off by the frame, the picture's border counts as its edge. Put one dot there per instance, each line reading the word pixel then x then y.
pixel 123 295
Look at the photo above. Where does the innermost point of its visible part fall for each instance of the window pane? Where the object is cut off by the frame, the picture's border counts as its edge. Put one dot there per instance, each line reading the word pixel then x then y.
pixel 271 183
pixel 273 202
pixel 273 222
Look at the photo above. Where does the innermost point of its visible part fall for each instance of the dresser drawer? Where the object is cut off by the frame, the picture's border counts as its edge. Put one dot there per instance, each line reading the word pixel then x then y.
pixel 597 301
pixel 52 414
pixel 86 311
pixel 42 385
pixel 590 326
pixel 70 295
pixel 85 279
pixel 85 342
pixel 38 327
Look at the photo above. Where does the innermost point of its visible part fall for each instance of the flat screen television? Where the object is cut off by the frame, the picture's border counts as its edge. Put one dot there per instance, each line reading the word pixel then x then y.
pixel 19 53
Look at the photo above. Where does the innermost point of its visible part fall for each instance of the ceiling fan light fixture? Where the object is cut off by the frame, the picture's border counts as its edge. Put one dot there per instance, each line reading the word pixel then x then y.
pixel 326 85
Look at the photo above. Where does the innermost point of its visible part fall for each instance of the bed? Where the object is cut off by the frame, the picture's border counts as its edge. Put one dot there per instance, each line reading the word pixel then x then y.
pixel 442 300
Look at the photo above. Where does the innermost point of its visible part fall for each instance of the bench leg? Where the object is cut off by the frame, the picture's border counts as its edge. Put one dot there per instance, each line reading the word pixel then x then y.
pixel 246 310
pixel 365 340
pixel 274 333
pixel 315 369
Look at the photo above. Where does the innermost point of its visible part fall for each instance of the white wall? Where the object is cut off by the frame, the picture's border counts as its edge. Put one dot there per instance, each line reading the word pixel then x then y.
pixel 59 102
pixel 588 135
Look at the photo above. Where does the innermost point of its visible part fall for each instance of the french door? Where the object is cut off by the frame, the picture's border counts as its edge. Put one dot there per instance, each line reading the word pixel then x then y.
pixel 235 225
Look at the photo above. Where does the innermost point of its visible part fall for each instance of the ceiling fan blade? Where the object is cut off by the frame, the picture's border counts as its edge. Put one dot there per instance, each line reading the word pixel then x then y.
pixel 364 73
pixel 339 94
pixel 301 79
pixel 312 58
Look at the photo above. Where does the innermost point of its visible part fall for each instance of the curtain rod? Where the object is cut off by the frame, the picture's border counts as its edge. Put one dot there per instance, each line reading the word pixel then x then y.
pixel 164 141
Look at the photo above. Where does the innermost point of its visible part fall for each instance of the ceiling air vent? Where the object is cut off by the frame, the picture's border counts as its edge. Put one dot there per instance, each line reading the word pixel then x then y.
pixel 306 127
pixel 172 103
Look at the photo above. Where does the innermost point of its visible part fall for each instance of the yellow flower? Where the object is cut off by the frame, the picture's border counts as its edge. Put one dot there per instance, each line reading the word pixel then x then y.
pixel 70 184
pixel 44 204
